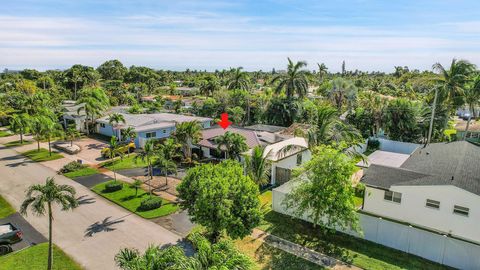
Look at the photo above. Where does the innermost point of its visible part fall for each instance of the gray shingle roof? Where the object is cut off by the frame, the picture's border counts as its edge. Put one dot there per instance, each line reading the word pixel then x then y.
pixel 455 163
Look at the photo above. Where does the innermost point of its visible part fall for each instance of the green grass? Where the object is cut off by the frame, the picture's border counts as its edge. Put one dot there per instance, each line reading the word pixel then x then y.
pixel 42 155
pixel 128 162
pixel 5 133
pixel 35 258
pixel 266 201
pixel 17 143
pixel 127 199
pixel 82 172
pixel 5 208
pixel 268 257
pixel 359 252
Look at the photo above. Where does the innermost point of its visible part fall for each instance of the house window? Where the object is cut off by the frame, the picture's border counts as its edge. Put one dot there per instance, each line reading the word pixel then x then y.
pixel 102 125
pixel 432 204
pixel 299 159
pixel 460 210
pixel 393 196
pixel 151 134
pixel 164 131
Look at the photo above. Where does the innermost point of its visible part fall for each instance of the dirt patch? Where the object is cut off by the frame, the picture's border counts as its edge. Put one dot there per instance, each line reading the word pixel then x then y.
pixel 158 184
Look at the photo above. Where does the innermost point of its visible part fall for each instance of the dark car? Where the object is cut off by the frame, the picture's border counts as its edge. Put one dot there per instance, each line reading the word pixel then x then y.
pixel 9 235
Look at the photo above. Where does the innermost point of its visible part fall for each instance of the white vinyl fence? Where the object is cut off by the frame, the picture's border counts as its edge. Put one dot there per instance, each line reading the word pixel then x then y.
pixel 432 246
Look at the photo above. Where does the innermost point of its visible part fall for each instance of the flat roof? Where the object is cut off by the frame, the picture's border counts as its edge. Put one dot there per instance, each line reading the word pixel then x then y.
pixel 384 158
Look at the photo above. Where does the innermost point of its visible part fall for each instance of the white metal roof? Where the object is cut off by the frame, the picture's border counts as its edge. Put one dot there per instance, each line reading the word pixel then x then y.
pixel 384 158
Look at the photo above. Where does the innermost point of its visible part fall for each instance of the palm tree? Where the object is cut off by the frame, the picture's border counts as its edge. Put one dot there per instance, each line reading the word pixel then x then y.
pixel 209 85
pixel 342 91
pixel 38 126
pixel 472 98
pixel 258 165
pixel 147 154
pixel 294 81
pixel 322 71
pixel 51 131
pixel 166 164
pixel 71 133
pixel 96 102
pixel 114 119
pixel 114 151
pixel 327 128
pixel 41 197
pixel 129 133
pixel 232 143
pixel 136 185
pixel 453 81
pixel 19 123
pixel 239 80
pixel 187 134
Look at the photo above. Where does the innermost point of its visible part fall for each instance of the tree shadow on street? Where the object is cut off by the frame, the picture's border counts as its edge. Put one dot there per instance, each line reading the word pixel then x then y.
pixel 106 225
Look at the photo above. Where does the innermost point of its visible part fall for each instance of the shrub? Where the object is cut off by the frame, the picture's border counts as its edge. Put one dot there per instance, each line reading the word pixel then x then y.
pixel 150 203
pixel 113 186
pixel 72 166
pixel 373 144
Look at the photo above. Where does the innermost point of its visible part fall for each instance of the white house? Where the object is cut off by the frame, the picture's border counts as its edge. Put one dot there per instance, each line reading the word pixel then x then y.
pixel 436 188
pixel 74 114
pixel 149 126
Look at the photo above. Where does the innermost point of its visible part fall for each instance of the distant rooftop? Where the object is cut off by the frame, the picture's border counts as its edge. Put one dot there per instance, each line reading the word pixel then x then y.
pixel 146 122
pixel 384 158
pixel 268 128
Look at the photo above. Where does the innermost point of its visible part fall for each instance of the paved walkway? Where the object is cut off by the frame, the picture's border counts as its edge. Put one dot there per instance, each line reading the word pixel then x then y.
pixel 94 232
pixel 301 251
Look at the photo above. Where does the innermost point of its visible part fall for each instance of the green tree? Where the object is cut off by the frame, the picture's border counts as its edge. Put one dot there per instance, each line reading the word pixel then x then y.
pixel 322 71
pixel 136 185
pixel 114 150
pixel 221 255
pixel 147 155
pixel 258 166
pixel 236 114
pixel 401 120
pixel 130 134
pixel 294 81
pixel 233 144
pixel 187 134
pixel 209 85
pixel 96 102
pixel 114 119
pixel 112 70
pixel 239 80
pixel 221 198
pixel 323 190
pixel 71 134
pixel 39 128
pixel 342 91
pixel 19 123
pixel 166 164
pixel 40 199
pixel 282 111
pixel 453 81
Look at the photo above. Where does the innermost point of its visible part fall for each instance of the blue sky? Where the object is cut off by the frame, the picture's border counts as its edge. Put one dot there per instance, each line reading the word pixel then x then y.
pixel 368 35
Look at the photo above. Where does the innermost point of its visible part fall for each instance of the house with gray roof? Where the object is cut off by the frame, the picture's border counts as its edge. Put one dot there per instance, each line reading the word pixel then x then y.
pixel 436 187
pixel 148 126
pixel 74 114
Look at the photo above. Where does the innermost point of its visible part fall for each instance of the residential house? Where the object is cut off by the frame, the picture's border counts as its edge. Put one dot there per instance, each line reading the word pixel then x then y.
pixel 74 114
pixel 284 152
pixel 148 126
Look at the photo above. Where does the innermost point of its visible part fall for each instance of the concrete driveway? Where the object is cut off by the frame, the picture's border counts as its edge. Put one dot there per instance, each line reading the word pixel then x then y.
pixel 91 149
pixel 91 234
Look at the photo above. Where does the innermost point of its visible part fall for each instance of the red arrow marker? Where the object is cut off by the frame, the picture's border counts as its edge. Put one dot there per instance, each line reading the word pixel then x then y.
pixel 224 123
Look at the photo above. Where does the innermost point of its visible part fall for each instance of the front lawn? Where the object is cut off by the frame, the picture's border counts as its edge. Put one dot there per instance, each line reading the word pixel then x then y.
pixel 17 143
pixel 5 208
pixel 268 257
pixel 82 172
pixel 5 133
pixel 359 252
pixel 127 199
pixel 35 258
pixel 42 155
pixel 128 162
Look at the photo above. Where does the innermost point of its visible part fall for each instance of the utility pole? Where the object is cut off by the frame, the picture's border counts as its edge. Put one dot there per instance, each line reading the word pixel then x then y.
pixel 433 116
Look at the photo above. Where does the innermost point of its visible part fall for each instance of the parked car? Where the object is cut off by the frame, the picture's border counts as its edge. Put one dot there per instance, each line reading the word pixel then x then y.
pixel 124 147
pixel 466 116
pixel 9 234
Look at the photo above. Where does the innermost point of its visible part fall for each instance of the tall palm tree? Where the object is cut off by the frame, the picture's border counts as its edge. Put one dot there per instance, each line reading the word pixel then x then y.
pixel 166 163
pixel 232 143
pixel 472 98
pixel 239 80
pixel 19 123
pixel 114 119
pixel 209 85
pixel 187 134
pixel 453 81
pixel 40 199
pixel 322 71
pixel 129 133
pixel 114 151
pixel 39 126
pixel 327 128
pixel 147 155
pixel 71 134
pixel 52 130
pixel 294 81
pixel 258 165
pixel 96 102
pixel 342 91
